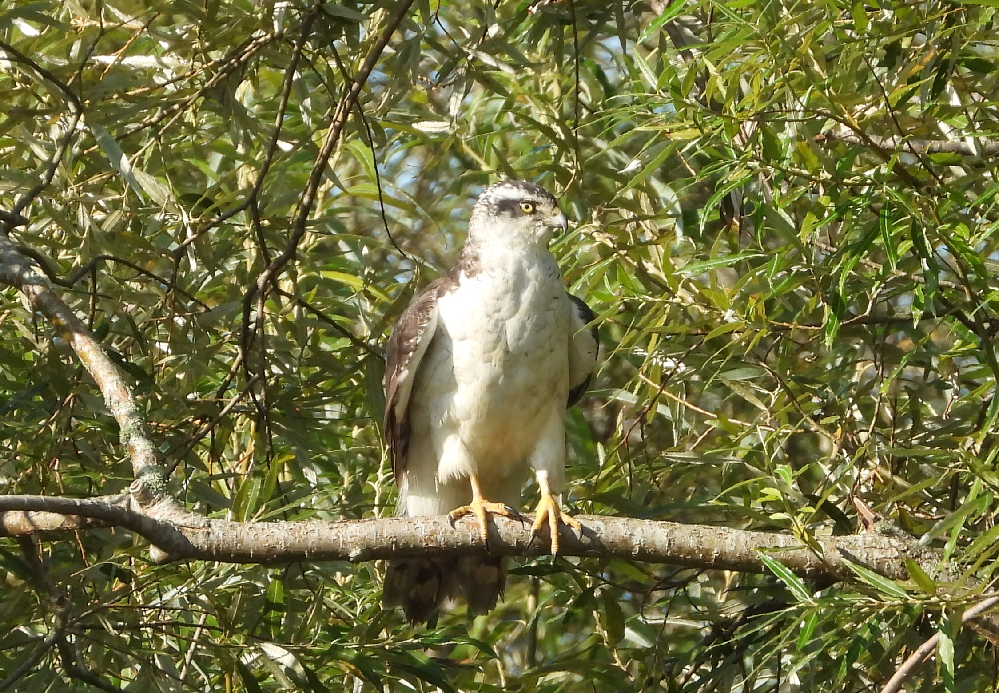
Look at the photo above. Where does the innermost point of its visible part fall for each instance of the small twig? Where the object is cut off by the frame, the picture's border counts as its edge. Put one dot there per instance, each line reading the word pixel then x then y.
pixel 359 343
pixel 371 145
pixel 901 171
pixel 70 281
pixel 898 126
pixel 228 65
pixel 899 274
pixel 926 649
pixel 210 426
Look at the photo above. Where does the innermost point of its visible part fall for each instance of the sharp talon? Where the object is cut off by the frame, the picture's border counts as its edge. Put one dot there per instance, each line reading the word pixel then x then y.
pixel 514 514
pixel 550 514
pixel 482 509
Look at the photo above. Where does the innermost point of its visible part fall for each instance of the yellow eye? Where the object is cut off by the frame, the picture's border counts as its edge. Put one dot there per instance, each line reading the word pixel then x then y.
pixel 527 207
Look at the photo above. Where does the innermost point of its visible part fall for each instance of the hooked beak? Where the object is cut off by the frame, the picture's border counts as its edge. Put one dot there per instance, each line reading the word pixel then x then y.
pixel 558 221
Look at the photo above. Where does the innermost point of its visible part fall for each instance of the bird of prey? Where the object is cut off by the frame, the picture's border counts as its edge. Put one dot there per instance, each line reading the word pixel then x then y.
pixel 479 372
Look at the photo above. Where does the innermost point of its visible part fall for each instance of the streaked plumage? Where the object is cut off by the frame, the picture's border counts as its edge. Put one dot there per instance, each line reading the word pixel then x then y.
pixel 480 369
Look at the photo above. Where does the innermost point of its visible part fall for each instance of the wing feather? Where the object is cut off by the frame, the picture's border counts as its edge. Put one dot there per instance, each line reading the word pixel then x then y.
pixel 583 349
pixel 406 347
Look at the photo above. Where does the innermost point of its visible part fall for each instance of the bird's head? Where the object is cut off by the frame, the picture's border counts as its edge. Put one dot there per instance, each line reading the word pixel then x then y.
pixel 515 212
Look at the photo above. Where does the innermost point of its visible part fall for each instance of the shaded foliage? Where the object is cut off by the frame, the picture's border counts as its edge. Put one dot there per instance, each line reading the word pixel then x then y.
pixel 795 292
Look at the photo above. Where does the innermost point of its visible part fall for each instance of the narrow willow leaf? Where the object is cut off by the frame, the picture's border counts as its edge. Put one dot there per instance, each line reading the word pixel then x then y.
pixel 885 225
pixel 695 268
pixel 667 15
pixel 116 157
pixel 793 582
pixel 807 630
pixel 919 576
pixel 885 586
pixel 945 656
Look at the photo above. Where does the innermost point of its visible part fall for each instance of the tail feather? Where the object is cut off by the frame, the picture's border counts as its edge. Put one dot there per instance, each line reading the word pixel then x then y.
pixel 482 580
pixel 419 586
pixel 422 585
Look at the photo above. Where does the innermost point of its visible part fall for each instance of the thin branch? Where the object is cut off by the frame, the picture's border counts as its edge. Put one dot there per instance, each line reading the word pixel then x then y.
pixel 210 426
pixel 227 66
pixel 72 664
pixel 341 114
pixel 62 608
pixel 75 107
pixel 896 273
pixel 33 659
pixel 70 281
pixel 898 126
pixel 21 523
pixel 370 141
pixel 846 121
pixel 894 684
pixel 359 343
pixel 576 58
pixel 339 121
pixel 272 147
pixel 976 147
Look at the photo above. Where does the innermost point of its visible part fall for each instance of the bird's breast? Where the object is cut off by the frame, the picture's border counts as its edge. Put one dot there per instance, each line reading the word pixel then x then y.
pixel 509 331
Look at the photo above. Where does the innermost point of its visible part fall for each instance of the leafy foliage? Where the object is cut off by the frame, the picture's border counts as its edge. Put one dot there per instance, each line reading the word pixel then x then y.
pixel 784 215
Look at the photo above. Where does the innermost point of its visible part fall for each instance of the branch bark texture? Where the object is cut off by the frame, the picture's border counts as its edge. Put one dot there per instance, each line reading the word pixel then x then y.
pixel 180 534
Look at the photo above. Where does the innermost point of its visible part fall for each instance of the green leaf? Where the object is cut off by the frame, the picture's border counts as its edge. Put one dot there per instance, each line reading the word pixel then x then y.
pixel 793 583
pixel 885 586
pixel 885 226
pixel 116 157
pixel 945 657
pixel 668 14
pixel 695 268
pixel 807 630
pixel 612 617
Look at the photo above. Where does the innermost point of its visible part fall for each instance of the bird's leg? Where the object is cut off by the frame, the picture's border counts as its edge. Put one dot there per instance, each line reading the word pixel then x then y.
pixel 482 508
pixel 548 510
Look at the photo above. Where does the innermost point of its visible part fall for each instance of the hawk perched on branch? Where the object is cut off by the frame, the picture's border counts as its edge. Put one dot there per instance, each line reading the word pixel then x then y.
pixel 480 370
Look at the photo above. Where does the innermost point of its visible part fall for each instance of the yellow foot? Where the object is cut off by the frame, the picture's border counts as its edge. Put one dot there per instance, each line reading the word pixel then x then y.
pixel 482 509
pixel 548 511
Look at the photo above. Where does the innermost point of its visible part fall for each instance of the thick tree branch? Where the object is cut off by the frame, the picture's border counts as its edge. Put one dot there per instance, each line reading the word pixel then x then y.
pixel 17 271
pixel 11 219
pixel 181 534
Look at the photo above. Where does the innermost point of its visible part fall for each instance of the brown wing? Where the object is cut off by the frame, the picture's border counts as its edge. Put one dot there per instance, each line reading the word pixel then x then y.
pixel 583 349
pixel 406 348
